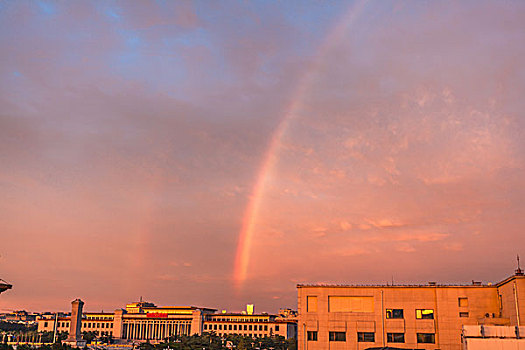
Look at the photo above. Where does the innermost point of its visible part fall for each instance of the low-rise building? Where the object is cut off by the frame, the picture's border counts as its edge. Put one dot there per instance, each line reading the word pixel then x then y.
pixel 256 325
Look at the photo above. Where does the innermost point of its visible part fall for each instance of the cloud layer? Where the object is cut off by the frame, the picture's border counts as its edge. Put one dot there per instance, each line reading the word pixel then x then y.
pixel 131 135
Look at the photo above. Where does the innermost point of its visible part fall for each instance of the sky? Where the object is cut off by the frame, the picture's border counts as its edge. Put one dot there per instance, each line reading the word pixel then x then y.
pixel 219 153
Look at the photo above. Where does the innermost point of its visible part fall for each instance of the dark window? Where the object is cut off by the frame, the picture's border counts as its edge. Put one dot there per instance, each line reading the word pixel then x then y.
pixel 215 326
pixel 312 335
pixel 230 327
pixel 337 336
pixel 220 327
pixel 277 328
pixel 395 337
pixel 260 327
pixel 463 314
pixel 250 327
pixel 245 327
pixel 45 324
pixel 265 327
pixel 394 313
pixel 234 327
pixel 368 337
pixel 425 314
pixel 428 338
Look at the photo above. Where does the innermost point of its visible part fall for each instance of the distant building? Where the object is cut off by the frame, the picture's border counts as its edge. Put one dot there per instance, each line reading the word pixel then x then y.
pixel 21 316
pixel 143 321
pixel 404 316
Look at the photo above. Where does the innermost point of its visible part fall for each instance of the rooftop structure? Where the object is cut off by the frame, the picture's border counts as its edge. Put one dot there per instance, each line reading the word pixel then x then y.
pixel 4 286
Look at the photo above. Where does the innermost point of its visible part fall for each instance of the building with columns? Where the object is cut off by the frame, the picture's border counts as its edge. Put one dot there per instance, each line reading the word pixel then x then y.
pixel 428 316
pixel 143 321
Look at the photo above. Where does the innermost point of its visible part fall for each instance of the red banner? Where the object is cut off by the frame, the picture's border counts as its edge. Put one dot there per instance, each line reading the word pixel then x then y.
pixel 157 314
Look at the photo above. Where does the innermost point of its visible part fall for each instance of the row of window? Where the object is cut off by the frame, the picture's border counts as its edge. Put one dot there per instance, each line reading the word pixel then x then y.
pixel 236 319
pixel 362 304
pixel 369 337
pixel 84 324
pixel 246 327
pixel 242 334
pixel 97 325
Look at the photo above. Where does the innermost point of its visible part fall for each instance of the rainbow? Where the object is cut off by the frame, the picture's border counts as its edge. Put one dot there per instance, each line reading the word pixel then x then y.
pixel 270 158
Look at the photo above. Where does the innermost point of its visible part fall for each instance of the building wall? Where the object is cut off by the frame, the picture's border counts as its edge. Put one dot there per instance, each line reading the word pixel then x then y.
pixel 512 294
pixel 350 310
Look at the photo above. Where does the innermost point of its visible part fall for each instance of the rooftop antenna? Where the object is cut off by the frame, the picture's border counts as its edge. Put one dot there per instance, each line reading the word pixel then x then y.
pixel 519 271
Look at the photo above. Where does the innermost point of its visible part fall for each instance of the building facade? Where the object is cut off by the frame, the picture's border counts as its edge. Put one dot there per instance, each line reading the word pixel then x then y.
pixel 407 317
pixel 143 321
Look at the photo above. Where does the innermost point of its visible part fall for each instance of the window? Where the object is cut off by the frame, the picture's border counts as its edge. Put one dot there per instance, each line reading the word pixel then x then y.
pixel 312 335
pixel 45 324
pixel 245 327
pixel 265 327
pixel 427 314
pixel 463 302
pixel 428 338
pixel 395 337
pixel 234 327
pixel 368 337
pixel 463 314
pixel 350 304
pixel 220 327
pixel 250 327
pixel 215 327
pixel 277 328
pixel 311 304
pixel 230 327
pixel 394 313
pixel 337 336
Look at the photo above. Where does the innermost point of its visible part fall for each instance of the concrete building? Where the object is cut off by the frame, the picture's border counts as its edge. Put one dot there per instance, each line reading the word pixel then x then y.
pixel 404 316
pixel 142 321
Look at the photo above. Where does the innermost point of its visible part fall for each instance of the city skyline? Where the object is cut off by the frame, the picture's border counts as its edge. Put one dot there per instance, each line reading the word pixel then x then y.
pixel 219 154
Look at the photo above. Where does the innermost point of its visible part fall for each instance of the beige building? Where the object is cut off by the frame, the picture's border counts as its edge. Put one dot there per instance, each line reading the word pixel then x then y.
pixel 404 316
pixel 143 321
